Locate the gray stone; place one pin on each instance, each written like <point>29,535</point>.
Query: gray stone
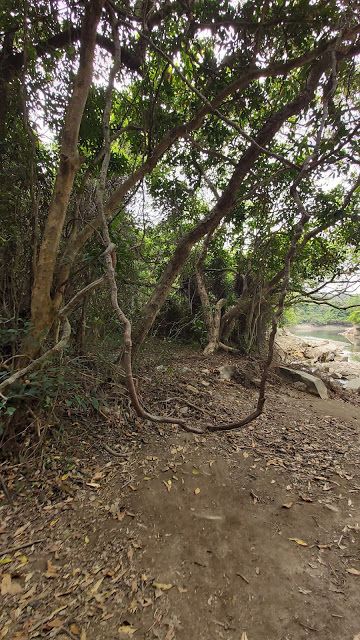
<point>337,375</point>
<point>352,385</point>
<point>301,386</point>
<point>227,372</point>
<point>313,384</point>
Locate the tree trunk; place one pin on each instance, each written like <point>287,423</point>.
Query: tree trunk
<point>181,131</point>
<point>43,307</point>
<point>229,318</point>
<point>214,332</point>
<point>226,201</point>
<point>81,328</point>
<point>212,319</point>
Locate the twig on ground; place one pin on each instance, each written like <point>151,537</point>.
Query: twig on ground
<point>117,454</point>
<point>21,546</point>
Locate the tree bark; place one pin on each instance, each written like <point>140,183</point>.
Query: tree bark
<point>43,307</point>
<point>212,318</point>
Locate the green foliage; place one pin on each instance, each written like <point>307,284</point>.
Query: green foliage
<point>322,314</point>
<point>354,317</point>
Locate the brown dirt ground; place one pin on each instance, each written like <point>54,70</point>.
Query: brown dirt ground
<point>251,535</point>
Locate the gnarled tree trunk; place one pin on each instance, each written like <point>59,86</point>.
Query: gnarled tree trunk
<point>226,201</point>
<point>43,306</point>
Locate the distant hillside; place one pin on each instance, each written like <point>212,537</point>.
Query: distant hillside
<point>322,314</point>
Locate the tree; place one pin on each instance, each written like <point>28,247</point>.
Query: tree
<point>224,120</point>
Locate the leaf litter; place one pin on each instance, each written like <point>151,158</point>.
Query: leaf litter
<point>92,535</point>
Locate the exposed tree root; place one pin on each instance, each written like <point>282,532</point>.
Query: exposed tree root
<point>116,454</point>
<point>110,262</point>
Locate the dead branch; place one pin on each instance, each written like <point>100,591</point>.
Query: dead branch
<point>70,306</point>
<point>328,304</point>
<point>35,364</point>
<point>21,546</point>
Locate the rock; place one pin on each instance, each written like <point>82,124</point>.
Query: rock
<point>227,372</point>
<point>335,385</point>
<point>189,387</point>
<point>337,375</point>
<point>313,384</point>
<point>301,386</point>
<point>309,353</point>
<point>352,385</point>
<point>341,358</point>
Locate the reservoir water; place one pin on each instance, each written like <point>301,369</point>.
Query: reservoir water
<point>328,332</point>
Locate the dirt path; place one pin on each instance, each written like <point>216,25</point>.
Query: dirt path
<point>252,535</point>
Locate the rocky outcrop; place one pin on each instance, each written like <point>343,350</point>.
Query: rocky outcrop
<point>353,335</point>
<point>311,383</point>
<point>324,359</point>
<point>313,350</point>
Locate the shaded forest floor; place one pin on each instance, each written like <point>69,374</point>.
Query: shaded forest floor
<point>242,535</point>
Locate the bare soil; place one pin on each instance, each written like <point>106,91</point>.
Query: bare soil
<point>250,535</point>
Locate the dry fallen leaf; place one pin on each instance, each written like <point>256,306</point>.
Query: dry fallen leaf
<point>197,491</point>
<point>10,586</point>
<point>21,530</point>
<point>287,505</point>
<point>162,586</point>
<point>302,543</point>
<point>56,623</point>
<point>127,629</point>
<point>244,636</point>
<point>133,606</point>
<point>331,507</point>
<point>4,631</point>
<point>51,571</point>
<point>75,629</point>
<point>6,560</point>
<point>353,571</point>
